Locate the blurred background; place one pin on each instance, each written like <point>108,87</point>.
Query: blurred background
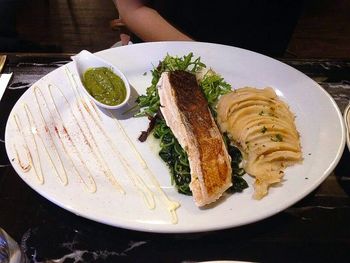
<point>68,26</point>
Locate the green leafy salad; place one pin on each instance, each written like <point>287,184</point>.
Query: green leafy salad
<point>171,152</point>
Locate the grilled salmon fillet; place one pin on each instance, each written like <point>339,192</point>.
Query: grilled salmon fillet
<point>186,112</point>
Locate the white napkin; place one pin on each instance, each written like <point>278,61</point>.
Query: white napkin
<point>4,80</point>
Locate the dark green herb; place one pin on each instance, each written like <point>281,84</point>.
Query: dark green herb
<point>277,138</point>
<point>174,156</point>
<point>238,182</point>
<point>264,129</point>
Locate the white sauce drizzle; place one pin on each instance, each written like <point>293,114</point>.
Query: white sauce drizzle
<point>35,131</point>
<point>170,204</point>
<point>39,175</point>
<point>25,167</point>
<point>90,185</point>
<point>97,154</point>
<point>135,179</point>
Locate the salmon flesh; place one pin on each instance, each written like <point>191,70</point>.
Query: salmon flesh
<point>187,114</point>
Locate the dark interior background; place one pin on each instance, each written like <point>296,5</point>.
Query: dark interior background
<point>323,30</point>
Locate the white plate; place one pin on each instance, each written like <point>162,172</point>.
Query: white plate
<point>347,124</point>
<point>319,122</point>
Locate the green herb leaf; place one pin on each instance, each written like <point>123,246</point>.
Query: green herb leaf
<point>238,183</point>
<point>277,138</point>
<point>213,86</point>
<point>149,103</point>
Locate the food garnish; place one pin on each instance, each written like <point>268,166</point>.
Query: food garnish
<point>104,85</point>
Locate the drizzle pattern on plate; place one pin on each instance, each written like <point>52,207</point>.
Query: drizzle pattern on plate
<point>65,135</point>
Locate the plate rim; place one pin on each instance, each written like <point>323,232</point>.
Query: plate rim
<point>150,228</point>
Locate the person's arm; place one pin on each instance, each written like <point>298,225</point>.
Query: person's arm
<point>146,22</point>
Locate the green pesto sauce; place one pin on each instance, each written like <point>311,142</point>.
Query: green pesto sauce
<point>104,85</point>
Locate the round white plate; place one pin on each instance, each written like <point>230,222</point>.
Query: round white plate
<point>347,124</point>
<point>319,122</point>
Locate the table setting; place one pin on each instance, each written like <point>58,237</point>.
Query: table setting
<point>77,185</point>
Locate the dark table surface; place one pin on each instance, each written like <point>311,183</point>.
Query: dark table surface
<point>316,229</point>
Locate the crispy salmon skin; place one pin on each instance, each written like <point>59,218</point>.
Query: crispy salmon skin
<point>186,112</point>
